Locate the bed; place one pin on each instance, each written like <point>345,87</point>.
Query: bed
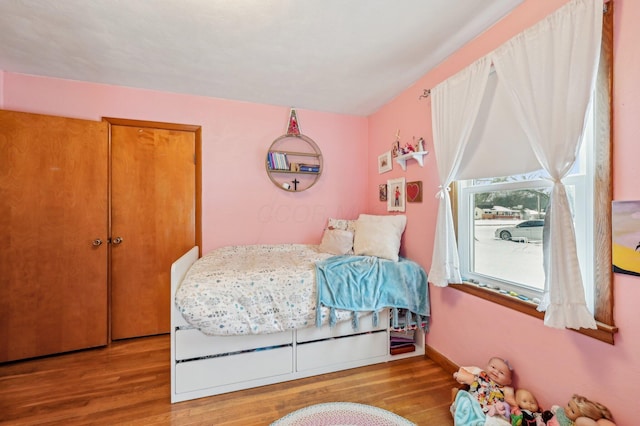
<point>248,316</point>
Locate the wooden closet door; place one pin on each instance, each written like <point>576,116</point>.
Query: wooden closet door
<point>153,212</point>
<point>53,207</point>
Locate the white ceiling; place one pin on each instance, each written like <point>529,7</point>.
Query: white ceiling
<point>342,56</point>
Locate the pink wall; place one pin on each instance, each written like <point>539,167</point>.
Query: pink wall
<point>240,204</point>
<point>553,363</point>
<point>413,118</point>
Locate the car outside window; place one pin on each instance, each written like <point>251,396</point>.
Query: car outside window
<point>529,229</point>
<point>503,251</point>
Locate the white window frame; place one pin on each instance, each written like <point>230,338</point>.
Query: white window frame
<point>580,183</point>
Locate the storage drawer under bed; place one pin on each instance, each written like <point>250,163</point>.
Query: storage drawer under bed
<point>191,343</point>
<point>341,350</point>
<point>344,328</point>
<point>219,371</point>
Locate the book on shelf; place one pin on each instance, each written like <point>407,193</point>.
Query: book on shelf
<point>393,342</point>
<point>278,161</point>
<point>403,334</point>
<point>284,163</point>
<point>402,349</point>
<point>315,168</point>
<point>272,161</point>
<point>400,344</point>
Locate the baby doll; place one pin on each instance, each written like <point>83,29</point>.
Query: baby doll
<point>488,386</point>
<point>526,412</point>
<point>579,411</point>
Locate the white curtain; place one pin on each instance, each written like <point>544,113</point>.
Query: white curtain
<point>455,105</point>
<point>549,72</point>
<point>498,145</point>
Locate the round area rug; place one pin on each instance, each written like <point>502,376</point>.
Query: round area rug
<point>342,414</point>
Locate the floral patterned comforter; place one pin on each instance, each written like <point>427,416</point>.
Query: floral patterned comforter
<point>253,289</point>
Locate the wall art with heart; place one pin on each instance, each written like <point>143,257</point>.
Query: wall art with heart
<point>414,192</point>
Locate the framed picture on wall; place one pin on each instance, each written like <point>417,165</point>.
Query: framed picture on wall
<point>382,192</point>
<point>384,163</point>
<point>414,192</point>
<point>625,233</point>
<point>396,195</point>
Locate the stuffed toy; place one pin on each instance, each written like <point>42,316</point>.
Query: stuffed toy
<point>580,411</point>
<point>526,412</point>
<point>500,409</point>
<point>488,386</point>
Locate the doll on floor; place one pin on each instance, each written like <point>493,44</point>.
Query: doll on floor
<point>526,412</point>
<point>489,386</point>
<point>579,411</point>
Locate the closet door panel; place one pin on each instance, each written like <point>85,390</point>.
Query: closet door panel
<point>153,212</point>
<point>53,204</point>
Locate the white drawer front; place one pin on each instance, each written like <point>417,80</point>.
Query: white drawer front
<point>193,344</point>
<point>212,372</point>
<point>343,328</point>
<point>336,351</point>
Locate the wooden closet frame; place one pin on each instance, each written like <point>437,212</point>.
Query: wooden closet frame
<point>198,184</point>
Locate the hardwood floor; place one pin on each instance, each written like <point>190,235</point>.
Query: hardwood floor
<point>129,383</point>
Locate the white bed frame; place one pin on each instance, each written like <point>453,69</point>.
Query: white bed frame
<point>204,365</point>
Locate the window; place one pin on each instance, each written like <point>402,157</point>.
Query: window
<point>512,260</point>
<point>500,227</point>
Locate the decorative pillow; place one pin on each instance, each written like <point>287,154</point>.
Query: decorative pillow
<point>336,241</point>
<point>379,236</point>
<point>344,224</point>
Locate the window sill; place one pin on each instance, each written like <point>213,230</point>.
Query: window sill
<point>604,332</point>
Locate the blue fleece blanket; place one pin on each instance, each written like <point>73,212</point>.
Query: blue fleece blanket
<point>466,410</point>
<point>368,284</point>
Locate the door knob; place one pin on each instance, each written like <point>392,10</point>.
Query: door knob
<point>97,242</point>
<point>117,240</point>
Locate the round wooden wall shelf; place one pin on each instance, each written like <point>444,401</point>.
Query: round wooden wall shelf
<point>294,162</point>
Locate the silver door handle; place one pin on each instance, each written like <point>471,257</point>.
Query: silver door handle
<point>97,242</point>
<point>117,240</point>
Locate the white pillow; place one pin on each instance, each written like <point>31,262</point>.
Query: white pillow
<point>336,241</point>
<point>344,224</point>
<point>379,236</point>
